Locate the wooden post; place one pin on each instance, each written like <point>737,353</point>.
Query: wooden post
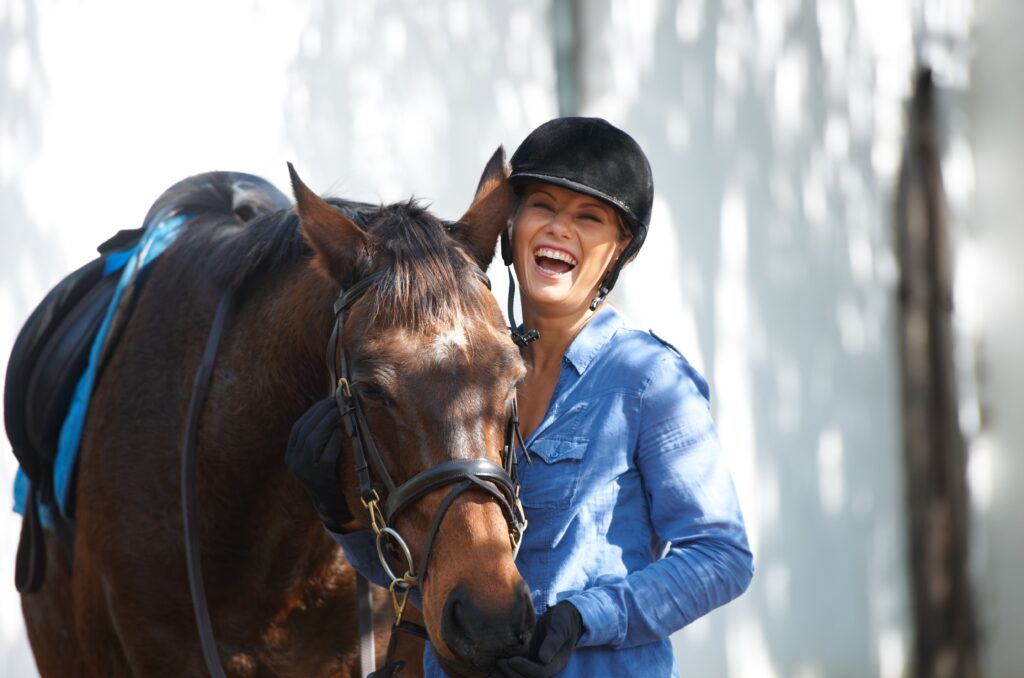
<point>945,642</point>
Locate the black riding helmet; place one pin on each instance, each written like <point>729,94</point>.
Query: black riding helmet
<point>593,157</point>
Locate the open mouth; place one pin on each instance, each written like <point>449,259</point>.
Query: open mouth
<point>554,262</point>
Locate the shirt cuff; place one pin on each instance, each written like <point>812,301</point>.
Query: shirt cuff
<point>602,617</point>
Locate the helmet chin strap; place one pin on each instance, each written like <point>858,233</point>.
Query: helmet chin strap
<point>521,339</point>
<point>609,280</point>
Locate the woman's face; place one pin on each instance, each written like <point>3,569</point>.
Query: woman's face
<point>563,243</point>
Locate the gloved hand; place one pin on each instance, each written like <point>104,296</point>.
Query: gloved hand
<point>554,639</point>
<point>313,450</point>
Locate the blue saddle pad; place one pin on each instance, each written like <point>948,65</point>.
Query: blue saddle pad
<point>127,265</point>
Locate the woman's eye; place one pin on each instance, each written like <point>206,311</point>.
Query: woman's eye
<point>542,206</point>
<point>591,217</point>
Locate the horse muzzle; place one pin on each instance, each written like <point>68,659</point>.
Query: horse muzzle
<point>478,636</point>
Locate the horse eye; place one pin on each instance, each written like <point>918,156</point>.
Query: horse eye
<point>511,393</point>
<point>372,392</point>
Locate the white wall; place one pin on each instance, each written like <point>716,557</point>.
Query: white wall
<point>775,134</point>
<point>993,321</point>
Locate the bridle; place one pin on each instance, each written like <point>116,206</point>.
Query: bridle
<point>385,500</point>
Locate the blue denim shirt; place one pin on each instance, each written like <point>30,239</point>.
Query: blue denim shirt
<point>632,513</point>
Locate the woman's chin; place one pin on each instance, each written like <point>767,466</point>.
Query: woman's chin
<point>558,294</point>
<point>550,294</point>
<point>561,305</point>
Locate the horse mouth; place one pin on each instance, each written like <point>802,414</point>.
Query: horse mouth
<point>462,668</point>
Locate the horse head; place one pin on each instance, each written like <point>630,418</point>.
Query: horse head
<point>426,386</point>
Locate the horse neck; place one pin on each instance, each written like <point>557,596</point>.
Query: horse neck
<point>269,369</point>
<point>284,328</point>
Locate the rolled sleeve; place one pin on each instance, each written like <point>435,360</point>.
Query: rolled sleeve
<point>603,616</point>
<point>694,512</point>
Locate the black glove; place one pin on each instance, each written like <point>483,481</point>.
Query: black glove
<point>313,450</point>
<point>554,639</point>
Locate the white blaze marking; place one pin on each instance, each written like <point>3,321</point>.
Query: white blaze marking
<point>447,342</point>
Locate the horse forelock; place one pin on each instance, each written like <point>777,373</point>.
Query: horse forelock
<point>428,279</point>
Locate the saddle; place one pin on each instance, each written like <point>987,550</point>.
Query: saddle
<point>49,356</point>
<point>66,342</point>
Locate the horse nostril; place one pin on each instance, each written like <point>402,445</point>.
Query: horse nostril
<point>524,615</point>
<point>457,624</point>
<point>482,635</point>
<point>454,630</point>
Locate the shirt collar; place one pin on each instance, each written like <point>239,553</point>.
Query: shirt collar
<point>594,336</point>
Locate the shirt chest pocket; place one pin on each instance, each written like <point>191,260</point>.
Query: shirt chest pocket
<point>554,477</point>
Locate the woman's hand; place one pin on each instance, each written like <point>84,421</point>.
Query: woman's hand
<point>313,450</point>
<point>554,639</point>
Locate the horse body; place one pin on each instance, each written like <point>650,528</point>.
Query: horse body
<point>281,596</point>
<point>266,563</point>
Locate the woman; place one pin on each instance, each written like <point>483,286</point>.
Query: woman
<point>635,530</point>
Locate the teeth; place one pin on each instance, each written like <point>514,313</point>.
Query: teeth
<point>556,254</point>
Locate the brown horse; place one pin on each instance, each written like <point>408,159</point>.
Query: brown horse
<point>430,349</point>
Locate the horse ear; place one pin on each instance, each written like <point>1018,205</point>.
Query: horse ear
<point>339,244</point>
<point>492,207</point>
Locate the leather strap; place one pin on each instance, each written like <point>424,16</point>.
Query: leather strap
<point>188,490</point>
<point>391,666</point>
<point>30,563</point>
<point>446,473</point>
<point>521,339</point>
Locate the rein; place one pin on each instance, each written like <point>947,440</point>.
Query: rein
<point>188,489</point>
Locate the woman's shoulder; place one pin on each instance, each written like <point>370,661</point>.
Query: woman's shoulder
<point>653,360</point>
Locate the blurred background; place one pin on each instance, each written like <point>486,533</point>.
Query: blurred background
<point>836,245</point>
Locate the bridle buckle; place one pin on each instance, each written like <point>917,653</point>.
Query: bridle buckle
<point>372,504</point>
<point>346,389</point>
<point>399,598</point>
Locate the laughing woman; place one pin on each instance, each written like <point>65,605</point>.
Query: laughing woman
<point>634,526</point>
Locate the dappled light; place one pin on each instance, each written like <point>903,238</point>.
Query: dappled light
<point>776,132</point>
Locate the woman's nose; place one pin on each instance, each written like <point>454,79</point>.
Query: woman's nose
<point>560,224</point>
